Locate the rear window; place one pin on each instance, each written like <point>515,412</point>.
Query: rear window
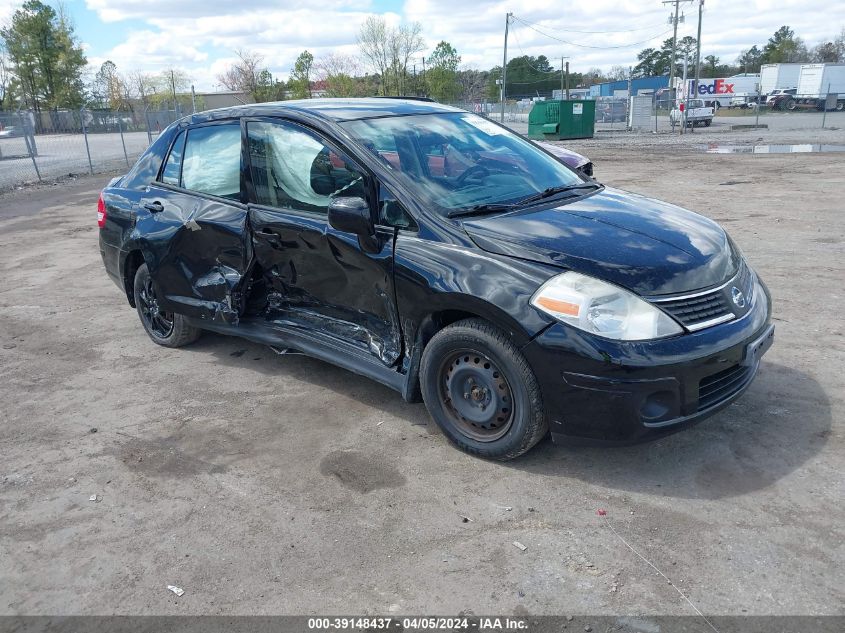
<point>172,171</point>
<point>212,160</point>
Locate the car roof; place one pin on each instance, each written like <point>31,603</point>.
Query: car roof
<point>332,109</point>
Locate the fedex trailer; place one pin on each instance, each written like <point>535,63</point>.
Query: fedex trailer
<point>718,92</point>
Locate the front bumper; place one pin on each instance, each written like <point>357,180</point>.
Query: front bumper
<point>622,392</point>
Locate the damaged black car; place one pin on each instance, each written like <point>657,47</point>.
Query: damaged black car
<point>445,256</point>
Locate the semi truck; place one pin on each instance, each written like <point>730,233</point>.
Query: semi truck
<point>815,83</point>
<point>778,76</point>
<point>718,92</point>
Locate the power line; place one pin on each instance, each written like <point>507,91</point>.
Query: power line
<point>539,70</point>
<point>604,47</point>
<point>643,28</point>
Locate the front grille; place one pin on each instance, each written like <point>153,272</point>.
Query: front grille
<point>697,310</point>
<point>702,309</point>
<point>714,389</point>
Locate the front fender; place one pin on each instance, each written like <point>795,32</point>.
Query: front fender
<point>437,278</point>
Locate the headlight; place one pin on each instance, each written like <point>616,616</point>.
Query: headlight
<point>601,308</point>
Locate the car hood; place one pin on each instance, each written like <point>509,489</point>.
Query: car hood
<point>647,246</point>
<point>573,159</point>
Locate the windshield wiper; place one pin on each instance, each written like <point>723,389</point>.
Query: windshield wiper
<point>498,207</point>
<point>551,191</point>
<point>482,209</point>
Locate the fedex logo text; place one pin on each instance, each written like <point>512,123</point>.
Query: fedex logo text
<point>718,87</point>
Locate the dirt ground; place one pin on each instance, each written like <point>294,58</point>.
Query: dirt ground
<point>265,484</point>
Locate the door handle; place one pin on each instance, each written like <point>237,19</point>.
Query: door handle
<point>154,207</point>
<point>271,238</point>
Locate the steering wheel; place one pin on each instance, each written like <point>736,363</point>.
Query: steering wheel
<point>481,170</point>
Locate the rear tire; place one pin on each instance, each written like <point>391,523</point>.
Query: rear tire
<point>167,329</point>
<point>481,392</point>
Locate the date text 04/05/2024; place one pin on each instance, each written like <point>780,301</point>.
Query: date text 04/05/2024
<point>419,623</point>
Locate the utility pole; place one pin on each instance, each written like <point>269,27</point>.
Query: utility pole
<point>698,51</point>
<point>173,90</point>
<point>564,79</point>
<point>561,78</point>
<point>674,18</point>
<point>505,68</point>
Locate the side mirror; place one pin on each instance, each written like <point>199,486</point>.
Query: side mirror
<point>351,215</point>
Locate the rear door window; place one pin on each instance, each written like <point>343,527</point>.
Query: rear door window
<point>212,161</point>
<point>172,171</point>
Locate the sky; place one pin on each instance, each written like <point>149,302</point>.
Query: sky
<point>201,36</point>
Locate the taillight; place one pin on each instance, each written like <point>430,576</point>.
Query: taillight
<point>101,211</point>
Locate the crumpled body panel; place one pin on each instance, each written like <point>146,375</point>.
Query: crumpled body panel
<point>198,251</point>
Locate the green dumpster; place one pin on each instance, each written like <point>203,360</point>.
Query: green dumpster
<point>556,120</point>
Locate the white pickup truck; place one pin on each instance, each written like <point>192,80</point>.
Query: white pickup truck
<point>696,113</point>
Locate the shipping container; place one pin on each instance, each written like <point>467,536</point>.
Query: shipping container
<point>773,76</point>
<point>817,80</point>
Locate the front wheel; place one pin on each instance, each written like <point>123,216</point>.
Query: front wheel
<point>167,329</point>
<point>481,392</point>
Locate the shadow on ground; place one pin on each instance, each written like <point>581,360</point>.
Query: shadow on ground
<point>781,422</point>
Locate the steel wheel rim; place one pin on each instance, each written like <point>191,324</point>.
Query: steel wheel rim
<point>157,321</point>
<point>476,396</point>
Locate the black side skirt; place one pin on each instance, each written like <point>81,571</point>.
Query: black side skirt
<point>330,350</point>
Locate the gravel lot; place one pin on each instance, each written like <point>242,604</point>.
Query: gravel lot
<point>264,484</point>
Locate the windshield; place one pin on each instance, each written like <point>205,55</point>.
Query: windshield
<point>460,160</point>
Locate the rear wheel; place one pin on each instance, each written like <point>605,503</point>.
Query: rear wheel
<point>481,392</point>
<point>164,328</point>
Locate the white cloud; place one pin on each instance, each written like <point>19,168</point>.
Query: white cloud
<point>181,33</point>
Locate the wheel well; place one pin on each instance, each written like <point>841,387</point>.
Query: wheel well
<point>131,265</point>
<point>430,326</point>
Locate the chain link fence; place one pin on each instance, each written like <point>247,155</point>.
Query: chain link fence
<point>652,114</point>
<point>48,145</point>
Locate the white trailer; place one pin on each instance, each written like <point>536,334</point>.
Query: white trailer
<point>817,81</point>
<point>773,76</point>
<point>717,93</point>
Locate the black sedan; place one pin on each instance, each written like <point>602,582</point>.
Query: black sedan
<point>441,254</point>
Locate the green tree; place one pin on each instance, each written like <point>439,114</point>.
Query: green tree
<point>5,80</point>
<point>300,80</point>
<point>45,57</point>
<point>171,89</point>
<point>442,74</point>
<point>109,90</point>
<point>340,76</point>
<point>826,52</point>
<point>709,65</point>
<point>784,47</point>
<point>750,60</point>
<point>653,61</point>
<point>267,88</point>
<point>388,50</point>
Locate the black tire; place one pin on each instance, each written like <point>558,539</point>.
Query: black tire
<point>707,122</point>
<point>164,328</point>
<point>469,367</point>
